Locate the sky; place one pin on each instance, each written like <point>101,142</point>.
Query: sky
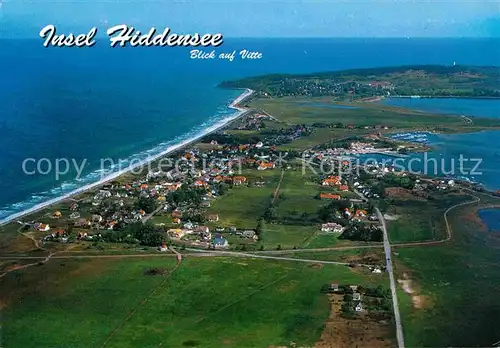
<point>259,18</point>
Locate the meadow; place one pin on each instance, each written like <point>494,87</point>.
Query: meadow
<point>206,302</point>
<point>325,110</point>
<point>456,281</point>
<point>420,220</point>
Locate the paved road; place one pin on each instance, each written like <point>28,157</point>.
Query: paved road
<point>387,249</point>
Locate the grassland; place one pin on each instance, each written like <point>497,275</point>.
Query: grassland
<point>206,302</point>
<point>297,197</point>
<point>412,225</point>
<point>312,111</point>
<point>217,302</point>
<point>455,282</point>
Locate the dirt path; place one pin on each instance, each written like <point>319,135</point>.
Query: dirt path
<point>145,299</point>
<point>277,191</point>
<point>37,246</point>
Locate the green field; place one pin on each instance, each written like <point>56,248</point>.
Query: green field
<point>206,302</point>
<point>419,220</point>
<point>242,206</point>
<point>312,110</point>
<point>458,280</point>
<point>302,110</point>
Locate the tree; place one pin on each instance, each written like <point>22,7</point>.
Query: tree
<point>147,204</point>
<point>147,234</point>
<point>261,225</point>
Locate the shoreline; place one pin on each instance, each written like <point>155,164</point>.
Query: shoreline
<point>240,112</point>
<point>439,97</point>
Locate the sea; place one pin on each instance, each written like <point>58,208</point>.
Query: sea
<point>102,108</point>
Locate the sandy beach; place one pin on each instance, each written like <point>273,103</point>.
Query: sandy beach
<point>240,111</point>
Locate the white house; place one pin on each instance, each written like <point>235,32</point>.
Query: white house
<point>42,227</point>
<point>189,225</point>
<point>332,227</point>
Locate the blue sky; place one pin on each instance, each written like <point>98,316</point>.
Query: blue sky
<point>258,18</point>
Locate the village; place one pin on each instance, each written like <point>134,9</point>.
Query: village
<point>178,204</point>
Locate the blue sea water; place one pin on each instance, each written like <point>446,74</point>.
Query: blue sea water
<point>86,104</point>
<point>454,106</point>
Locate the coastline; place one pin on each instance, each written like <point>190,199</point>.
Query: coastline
<point>240,112</point>
<point>440,97</point>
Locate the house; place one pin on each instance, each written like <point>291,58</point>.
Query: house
<point>376,270</point>
<point>82,223</point>
<point>344,188</point>
<point>200,183</point>
<point>189,225</point>
<point>111,224</point>
<point>102,194</point>
<point>75,215</point>
<point>96,218</point>
<point>41,227</point>
<point>176,220</point>
<point>59,233</point>
<point>204,232</point>
<point>359,307</point>
<point>57,214</point>
<point>213,217</point>
<point>356,296</point>
<point>347,213</point>
<point>82,235</point>
<point>353,287</point>
<point>265,165</point>
<point>176,233</point>
<point>360,213</point>
<point>176,214</point>
<point>173,187</point>
<point>219,241</point>
<point>333,287</point>
<point>239,180</point>
<point>202,229</point>
<point>259,145</point>
<point>248,234</point>
<point>329,196</point>
<point>73,206</point>
<point>332,181</point>
<point>163,247</point>
<point>332,227</point>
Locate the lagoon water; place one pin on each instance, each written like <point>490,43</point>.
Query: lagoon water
<point>88,104</point>
<point>480,152</point>
<point>455,106</point>
<point>491,217</point>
